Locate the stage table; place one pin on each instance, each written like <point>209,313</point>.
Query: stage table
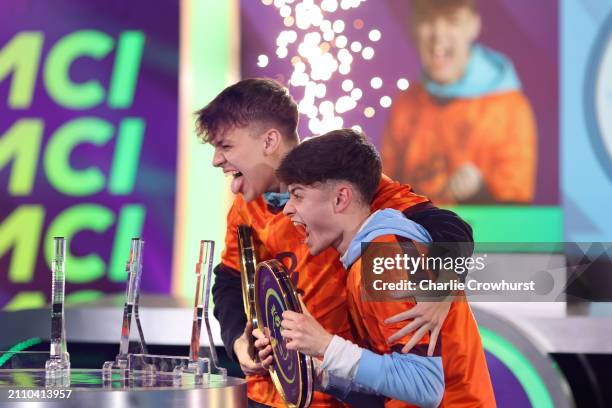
<point>22,387</point>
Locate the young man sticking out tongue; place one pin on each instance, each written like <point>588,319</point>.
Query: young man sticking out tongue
<point>252,125</point>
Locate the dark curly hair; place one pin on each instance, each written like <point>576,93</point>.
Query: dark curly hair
<point>251,100</point>
<point>343,154</point>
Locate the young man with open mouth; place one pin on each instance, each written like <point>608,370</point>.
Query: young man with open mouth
<point>252,125</point>
<point>332,180</point>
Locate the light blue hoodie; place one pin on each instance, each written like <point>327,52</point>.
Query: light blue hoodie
<point>487,72</point>
<point>384,222</point>
<point>277,200</point>
<point>406,377</point>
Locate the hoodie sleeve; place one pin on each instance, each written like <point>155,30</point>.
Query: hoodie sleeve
<point>228,306</point>
<point>227,287</point>
<point>406,377</point>
<point>452,236</point>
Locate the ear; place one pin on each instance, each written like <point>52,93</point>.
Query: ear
<point>343,196</point>
<point>271,141</point>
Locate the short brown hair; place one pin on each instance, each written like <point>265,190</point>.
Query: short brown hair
<point>341,155</point>
<point>250,100</point>
<point>420,9</point>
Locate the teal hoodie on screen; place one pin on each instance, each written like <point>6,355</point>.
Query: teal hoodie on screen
<point>487,72</point>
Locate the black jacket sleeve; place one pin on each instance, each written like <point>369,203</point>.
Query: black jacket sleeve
<point>452,236</point>
<point>229,306</point>
<point>445,227</point>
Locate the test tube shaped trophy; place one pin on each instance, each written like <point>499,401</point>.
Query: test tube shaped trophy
<point>201,365</point>
<point>57,368</point>
<point>214,360</point>
<point>134,269</point>
<point>197,365</point>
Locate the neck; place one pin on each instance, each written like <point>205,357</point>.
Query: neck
<point>276,185</point>
<point>353,223</point>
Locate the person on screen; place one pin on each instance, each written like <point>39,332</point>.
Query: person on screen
<point>466,132</point>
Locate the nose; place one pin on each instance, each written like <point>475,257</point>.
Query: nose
<point>289,209</point>
<point>218,158</point>
<point>439,28</point>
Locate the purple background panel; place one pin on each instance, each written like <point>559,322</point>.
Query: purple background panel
<point>155,102</point>
<point>508,390</point>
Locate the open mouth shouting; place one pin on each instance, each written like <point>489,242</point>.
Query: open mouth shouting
<point>303,230</point>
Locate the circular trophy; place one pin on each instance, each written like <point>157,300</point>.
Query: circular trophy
<point>292,372</point>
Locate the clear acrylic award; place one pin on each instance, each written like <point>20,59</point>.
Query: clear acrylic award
<point>220,373</point>
<point>202,366</point>
<point>130,309</point>
<point>57,368</point>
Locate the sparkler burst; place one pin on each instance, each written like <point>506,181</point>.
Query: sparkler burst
<point>316,41</point>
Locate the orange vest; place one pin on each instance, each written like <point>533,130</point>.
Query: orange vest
<point>321,278</point>
<point>426,141</point>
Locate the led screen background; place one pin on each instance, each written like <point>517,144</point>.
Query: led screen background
<point>88,143</point>
<point>172,231</point>
<point>526,32</point>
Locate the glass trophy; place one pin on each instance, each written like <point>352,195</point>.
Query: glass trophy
<point>142,366</point>
<point>214,360</point>
<point>57,368</point>
<point>134,269</point>
<point>147,368</point>
<point>202,366</point>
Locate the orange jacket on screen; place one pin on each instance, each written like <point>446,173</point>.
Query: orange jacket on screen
<point>426,140</point>
<point>321,278</point>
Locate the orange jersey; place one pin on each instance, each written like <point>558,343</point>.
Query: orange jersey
<point>466,376</point>
<point>321,278</point>
<point>427,141</point>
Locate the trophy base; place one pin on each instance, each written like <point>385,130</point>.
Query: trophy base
<point>218,374</point>
<point>183,370</point>
<point>119,366</point>
<point>57,371</point>
<point>196,372</point>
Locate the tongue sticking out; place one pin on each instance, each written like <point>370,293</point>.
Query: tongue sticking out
<point>237,183</point>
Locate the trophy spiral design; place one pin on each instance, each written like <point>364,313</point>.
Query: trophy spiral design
<point>292,372</point>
